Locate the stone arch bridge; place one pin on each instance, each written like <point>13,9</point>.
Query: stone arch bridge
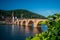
<point>27,21</point>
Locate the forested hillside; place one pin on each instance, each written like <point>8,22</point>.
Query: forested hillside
<point>19,13</point>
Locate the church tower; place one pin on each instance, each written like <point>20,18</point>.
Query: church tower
<point>12,17</point>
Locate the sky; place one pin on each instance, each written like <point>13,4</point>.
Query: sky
<point>42,7</point>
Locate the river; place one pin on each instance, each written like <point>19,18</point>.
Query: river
<point>16,32</point>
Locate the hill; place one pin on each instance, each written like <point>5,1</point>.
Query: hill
<point>20,13</point>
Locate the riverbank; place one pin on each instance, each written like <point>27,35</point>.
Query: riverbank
<point>4,23</point>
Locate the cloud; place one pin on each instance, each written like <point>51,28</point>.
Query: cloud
<point>48,12</point>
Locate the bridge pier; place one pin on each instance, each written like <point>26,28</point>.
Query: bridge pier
<point>26,24</point>
<point>35,24</point>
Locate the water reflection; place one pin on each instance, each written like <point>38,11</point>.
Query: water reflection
<point>15,32</point>
<point>12,30</point>
<point>44,27</point>
<point>28,30</point>
<point>36,30</point>
<point>22,28</point>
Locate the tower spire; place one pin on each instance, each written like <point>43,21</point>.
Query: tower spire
<point>12,17</point>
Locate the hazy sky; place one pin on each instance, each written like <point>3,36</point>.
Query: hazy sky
<point>43,7</point>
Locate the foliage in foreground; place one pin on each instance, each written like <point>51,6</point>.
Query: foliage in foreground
<point>53,32</point>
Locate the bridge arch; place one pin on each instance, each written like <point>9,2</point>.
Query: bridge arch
<point>24,23</point>
<point>31,23</point>
<point>39,23</point>
<point>19,22</point>
<point>16,22</point>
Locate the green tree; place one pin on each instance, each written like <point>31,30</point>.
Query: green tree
<point>53,32</point>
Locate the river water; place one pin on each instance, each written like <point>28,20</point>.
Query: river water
<point>16,32</point>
